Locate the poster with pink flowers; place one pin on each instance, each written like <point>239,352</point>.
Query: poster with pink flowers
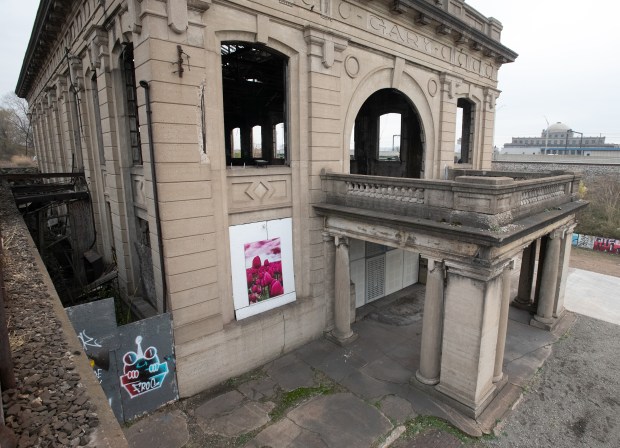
<point>262,266</point>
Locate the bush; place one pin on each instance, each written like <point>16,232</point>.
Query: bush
<point>602,217</point>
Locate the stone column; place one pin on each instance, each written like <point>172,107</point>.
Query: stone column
<point>470,332</point>
<point>432,325</point>
<point>526,276</point>
<point>342,333</point>
<point>542,250</point>
<point>330,268</point>
<point>548,281</point>
<point>566,245</point>
<point>498,373</point>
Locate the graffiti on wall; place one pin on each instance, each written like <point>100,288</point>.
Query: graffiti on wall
<point>597,243</point>
<point>142,371</point>
<point>134,363</point>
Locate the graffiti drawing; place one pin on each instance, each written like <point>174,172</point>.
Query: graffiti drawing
<point>87,341</point>
<point>585,241</point>
<point>142,370</point>
<point>607,245</point>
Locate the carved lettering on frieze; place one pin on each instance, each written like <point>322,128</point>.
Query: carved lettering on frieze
<point>410,38</point>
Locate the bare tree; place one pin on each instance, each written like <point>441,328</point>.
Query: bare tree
<point>16,123</point>
<point>606,195</point>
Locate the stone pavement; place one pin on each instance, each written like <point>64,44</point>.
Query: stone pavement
<point>592,294</point>
<point>324,395</point>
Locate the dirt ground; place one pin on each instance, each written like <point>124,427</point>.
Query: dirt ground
<point>601,262</point>
<point>573,401</point>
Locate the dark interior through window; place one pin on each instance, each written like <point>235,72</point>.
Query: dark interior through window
<point>465,112</point>
<point>387,138</point>
<point>254,90</point>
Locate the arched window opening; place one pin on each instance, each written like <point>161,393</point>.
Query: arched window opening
<point>386,139</point>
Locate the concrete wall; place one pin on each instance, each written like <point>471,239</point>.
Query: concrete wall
<point>591,171</point>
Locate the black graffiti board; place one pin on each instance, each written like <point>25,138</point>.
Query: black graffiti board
<point>146,367</point>
<point>134,363</point>
<point>95,325</point>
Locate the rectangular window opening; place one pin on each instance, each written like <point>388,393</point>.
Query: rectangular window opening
<point>131,103</point>
<point>466,119</point>
<point>254,79</point>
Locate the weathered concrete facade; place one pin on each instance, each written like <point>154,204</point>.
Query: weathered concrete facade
<point>198,84</point>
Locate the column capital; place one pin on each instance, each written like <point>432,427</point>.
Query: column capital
<point>556,233</point>
<point>327,237</point>
<point>435,264</point>
<point>340,240</point>
<point>473,270</point>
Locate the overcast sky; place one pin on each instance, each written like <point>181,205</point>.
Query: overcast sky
<point>567,70</point>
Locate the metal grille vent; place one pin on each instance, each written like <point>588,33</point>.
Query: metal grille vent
<point>373,249</point>
<point>375,278</point>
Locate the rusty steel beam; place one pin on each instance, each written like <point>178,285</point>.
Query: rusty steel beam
<point>49,197</point>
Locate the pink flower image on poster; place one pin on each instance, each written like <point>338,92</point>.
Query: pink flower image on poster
<point>263,268</point>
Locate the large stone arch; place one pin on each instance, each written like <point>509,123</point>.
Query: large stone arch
<point>382,78</point>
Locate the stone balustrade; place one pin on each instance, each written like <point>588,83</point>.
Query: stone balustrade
<point>477,198</point>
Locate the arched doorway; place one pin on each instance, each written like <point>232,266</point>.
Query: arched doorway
<point>387,137</point>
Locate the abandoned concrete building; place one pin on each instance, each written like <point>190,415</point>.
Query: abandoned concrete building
<point>232,156</point>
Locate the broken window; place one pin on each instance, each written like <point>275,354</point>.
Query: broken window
<point>257,143</point>
<point>131,103</point>
<point>280,142</point>
<point>389,137</point>
<point>235,136</point>
<point>254,81</point>
<point>466,116</point>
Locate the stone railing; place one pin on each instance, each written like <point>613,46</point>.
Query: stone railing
<point>384,190</point>
<point>477,198</point>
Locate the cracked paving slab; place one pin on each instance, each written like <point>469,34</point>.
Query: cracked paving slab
<point>287,434</point>
<point>169,430</point>
<point>247,417</point>
<point>341,420</point>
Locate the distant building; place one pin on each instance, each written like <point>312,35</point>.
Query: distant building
<point>560,139</point>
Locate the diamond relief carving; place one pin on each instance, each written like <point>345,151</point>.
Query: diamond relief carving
<point>260,190</point>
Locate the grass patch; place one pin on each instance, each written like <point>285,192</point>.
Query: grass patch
<point>234,382</point>
<point>425,423</point>
<point>292,398</point>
